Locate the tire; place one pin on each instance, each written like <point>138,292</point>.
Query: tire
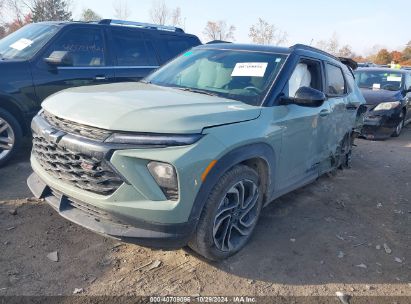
<point>10,136</point>
<point>344,153</point>
<point>223,213</point>
<point>400,126</point>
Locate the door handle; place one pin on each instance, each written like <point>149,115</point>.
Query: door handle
<point>324,112</point>
<point>100,77</point>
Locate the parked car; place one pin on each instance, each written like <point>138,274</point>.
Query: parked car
<point>388,100</point>
<point>41,59</point>
<point>366,64</point>
<point>192,153</point>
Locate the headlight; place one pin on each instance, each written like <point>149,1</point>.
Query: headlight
<point>154,139</point>
<point>387,106</point>
<point>165,176</point>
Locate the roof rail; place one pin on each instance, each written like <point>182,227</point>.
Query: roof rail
<point>313,49</point>
<point>347,61</point>
<point>141,25</point>
<point>218,41</point>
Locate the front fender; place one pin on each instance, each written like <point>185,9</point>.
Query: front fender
<point>229,160</point>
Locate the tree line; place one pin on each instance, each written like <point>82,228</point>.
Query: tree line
<point>16,13</point>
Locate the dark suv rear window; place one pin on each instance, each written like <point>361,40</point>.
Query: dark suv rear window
<point>132,50</point>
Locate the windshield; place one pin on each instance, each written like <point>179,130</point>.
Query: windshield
<point>391,81</point>
<point>25,42</point>
<point>241,75</point>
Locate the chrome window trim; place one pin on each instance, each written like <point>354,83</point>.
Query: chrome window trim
<point>109,67</point>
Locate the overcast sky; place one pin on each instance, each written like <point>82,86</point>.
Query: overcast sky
<point>360,23</point>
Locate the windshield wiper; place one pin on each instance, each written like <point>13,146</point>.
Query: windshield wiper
<point>199,91</point>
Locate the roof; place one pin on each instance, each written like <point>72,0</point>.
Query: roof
<point>122,23</point>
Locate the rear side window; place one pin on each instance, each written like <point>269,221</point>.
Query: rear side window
<point>85,45</point>
<point>177,46</point>
<point>335,80</point>
<point>132,50</point>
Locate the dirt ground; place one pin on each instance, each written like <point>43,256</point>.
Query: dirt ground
<point>326,237</point>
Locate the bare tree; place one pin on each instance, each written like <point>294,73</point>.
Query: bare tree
<point>176,19</point>
<point>346,51</point>
<point>159,13</point>
<point>89,15</point>
<point>264,33</point>
<point>331,45</point>
<point>219,30</point>
<point>121,9</point>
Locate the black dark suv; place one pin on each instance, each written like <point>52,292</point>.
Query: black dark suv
<point>43,58</point>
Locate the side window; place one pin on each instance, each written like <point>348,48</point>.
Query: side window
<point>86,46</point>
<point>335,80</point>
<point>176,47</point>
<point>408,81</point>
<point>131,50</point>
<point>307,73</point>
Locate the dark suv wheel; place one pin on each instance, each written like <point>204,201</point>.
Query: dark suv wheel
<point>10,136</point>
<point>230,214</point>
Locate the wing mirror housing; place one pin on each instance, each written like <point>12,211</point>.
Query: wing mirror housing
<point>59,58</point>
<point>306,97</point>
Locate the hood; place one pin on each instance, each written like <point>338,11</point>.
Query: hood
<point>373,97</point>
<point>139,107</point>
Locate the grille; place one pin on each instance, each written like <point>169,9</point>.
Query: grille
<point>85,172</point>
<point>76,128</point>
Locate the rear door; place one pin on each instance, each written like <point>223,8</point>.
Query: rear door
<point>91,64</point>
<point>408,96</point>
<point>134,54</point>
<point>341,107</point>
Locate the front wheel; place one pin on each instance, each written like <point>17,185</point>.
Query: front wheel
<point>230,214</point>
<point>10,136</point>
<point>400,125</point>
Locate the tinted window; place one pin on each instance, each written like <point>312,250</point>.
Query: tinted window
<point>177,46</point>
<point>335,80</point>
<point>86,46</point>
<point>131,50</point>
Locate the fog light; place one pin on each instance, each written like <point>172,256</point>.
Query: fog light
<point>165,176</point>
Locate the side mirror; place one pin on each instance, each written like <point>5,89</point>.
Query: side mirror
<point>59,58</point>
<point>306,97</point>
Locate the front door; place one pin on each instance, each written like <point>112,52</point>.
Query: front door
<point>303,128</point>
<point>90,64</point>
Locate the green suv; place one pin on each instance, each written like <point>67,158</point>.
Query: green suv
<point>191,154</point>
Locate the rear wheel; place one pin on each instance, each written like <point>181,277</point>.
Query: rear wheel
<point>10,136</point>
<point>400,125</point>
<point>345,151</point>
<point>230,214</point>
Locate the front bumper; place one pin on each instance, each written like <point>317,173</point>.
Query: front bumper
<point>381,125</point>
<point>166,236</point>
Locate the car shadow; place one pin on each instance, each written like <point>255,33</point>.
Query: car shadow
<point>333,230</point>
<point>14,174</point>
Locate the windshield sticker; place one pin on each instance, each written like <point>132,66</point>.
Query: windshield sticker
<point>376,86</point>
<point>188,53</point>
<point>394,78</point>
<point>277,60</point>
<point>252,69</point>
<point>21,44</point>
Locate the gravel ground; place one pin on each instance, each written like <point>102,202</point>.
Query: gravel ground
<point>326,237</point>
